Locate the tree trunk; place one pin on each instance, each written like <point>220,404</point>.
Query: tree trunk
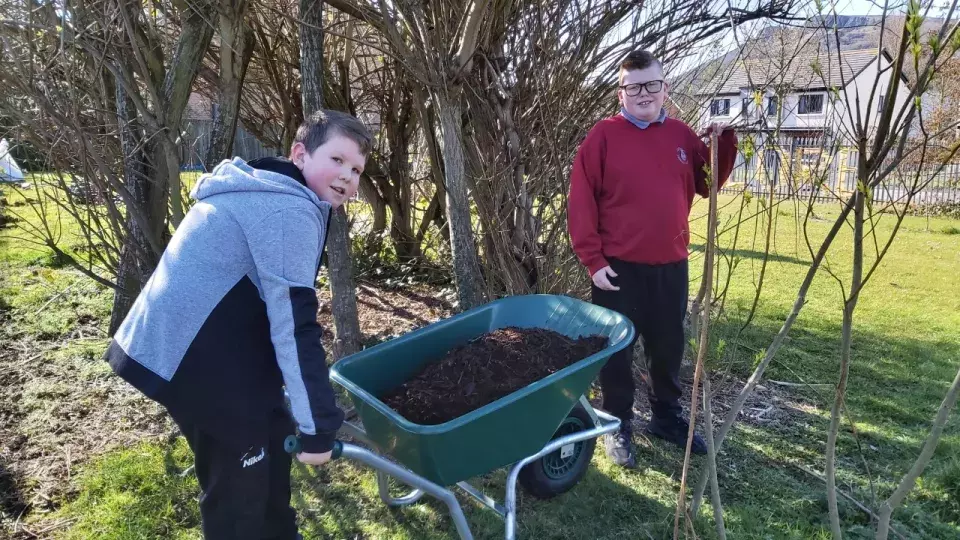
<point>370,194</point>
<point>340,268</point>
<point>703,340</point>
<point>433,210</point>
<point>236,50</point>
<point>339,264</point>
<point>311,56</point>
<point>177,85</point>
<point>523,223</point>
<point>712,461</point>
<point>845,352</point>
<point>152,172</point>
<point>136,255</point>
<point>466,267</point>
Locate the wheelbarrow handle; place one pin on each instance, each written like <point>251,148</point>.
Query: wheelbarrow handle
<point>293,445</point>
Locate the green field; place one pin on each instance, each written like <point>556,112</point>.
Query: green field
<point>906,350</point>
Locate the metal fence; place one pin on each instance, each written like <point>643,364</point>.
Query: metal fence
<point>808,167</point>
<point>195,144</point>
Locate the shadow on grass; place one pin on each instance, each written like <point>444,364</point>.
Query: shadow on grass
<point>750,254</point>
<point>12,503</point>
<point>342,502</point>
<point>895,387</point>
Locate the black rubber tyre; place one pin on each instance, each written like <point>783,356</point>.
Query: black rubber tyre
<point>552,475</point>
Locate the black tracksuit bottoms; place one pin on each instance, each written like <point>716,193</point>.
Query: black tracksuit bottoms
<point>654,298</point>
<point>245,493</point>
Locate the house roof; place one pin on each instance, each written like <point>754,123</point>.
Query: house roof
<point>801,56</point>
<point>764,66</point>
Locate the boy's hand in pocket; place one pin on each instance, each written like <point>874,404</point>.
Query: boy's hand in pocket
<point>602,279</point>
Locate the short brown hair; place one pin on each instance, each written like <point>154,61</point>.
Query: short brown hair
<point>638,60</point>
<point>317,129</point>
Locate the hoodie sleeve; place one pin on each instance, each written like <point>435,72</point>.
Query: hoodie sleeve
<point>286,251</point>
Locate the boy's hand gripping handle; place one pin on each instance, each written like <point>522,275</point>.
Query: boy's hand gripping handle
<point>292,445</point>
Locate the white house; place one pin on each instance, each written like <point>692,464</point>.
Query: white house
<point>805,95</point>
<point>791,102</point>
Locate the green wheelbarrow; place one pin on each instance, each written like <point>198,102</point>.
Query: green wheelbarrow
<point>545,432</point>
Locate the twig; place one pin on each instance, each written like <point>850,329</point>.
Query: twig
<point>793,384</point>
<point>762,412</point>
<point>52,527</point>
<point>54,297</point>
<point>712,461</point>
<point>847,496</point>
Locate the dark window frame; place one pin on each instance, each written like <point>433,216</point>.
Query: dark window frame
<point>805,102</point>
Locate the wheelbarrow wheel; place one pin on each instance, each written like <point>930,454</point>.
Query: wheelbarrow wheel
<point>558,471</point>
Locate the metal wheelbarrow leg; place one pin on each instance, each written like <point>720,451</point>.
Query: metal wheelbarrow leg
<point>385,468</point>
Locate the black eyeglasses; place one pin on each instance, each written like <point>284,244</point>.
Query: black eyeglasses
<point>634,89</point>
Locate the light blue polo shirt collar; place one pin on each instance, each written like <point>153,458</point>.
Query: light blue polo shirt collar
<point>640,123</point>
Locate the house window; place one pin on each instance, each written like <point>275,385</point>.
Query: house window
<point>809,157</point>
<point>772,159</point>
<point>810,104</point>
<point>746,107</point>
<point>773,105</point>
<point>772,165</point>
<point>720,107</point>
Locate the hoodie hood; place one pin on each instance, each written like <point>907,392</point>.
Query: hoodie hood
<point>236,175</point>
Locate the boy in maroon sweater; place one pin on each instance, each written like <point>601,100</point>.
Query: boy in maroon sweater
<point>631,189</point>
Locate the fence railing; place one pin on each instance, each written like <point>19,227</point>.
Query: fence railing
<point>806,169</point>
<point>195,144</point>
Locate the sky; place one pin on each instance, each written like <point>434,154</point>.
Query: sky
<point>859,7</point>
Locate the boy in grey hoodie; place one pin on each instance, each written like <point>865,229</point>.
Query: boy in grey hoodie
<point>229,318</point>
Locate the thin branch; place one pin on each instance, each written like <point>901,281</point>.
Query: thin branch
<point>469,42</point>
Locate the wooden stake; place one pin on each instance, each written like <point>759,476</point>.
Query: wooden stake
<point>704,327</point>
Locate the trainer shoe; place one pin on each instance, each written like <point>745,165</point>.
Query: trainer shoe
<point>675,430</point>
<point>619,446</point>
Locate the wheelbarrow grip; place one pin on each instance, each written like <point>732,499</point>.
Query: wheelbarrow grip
<point>293,445</point>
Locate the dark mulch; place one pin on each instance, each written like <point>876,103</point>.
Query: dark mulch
<point>482,371</point>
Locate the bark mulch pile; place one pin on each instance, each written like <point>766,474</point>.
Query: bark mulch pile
<point>486,369</point>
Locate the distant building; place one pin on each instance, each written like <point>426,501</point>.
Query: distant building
<point>787,93</point>
<point>198,128</point>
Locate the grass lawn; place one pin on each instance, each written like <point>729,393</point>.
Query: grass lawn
<point>906,351</point>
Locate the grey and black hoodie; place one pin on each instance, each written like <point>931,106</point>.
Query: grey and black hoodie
<point>230,314</point>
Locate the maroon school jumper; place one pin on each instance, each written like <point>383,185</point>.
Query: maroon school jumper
<point>630,196</point>
<point>631,190</point>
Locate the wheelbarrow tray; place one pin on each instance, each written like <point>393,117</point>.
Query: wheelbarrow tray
<point>499,433</point>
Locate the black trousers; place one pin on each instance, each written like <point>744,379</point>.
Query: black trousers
<point>654,298</point>
<point>245,492</point>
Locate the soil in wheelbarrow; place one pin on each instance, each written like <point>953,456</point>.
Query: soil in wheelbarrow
<point>486,369</point>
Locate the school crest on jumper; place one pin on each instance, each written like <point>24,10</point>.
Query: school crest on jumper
<point>681,155</point>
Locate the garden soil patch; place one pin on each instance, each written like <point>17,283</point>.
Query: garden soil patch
<point>486,369</point>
